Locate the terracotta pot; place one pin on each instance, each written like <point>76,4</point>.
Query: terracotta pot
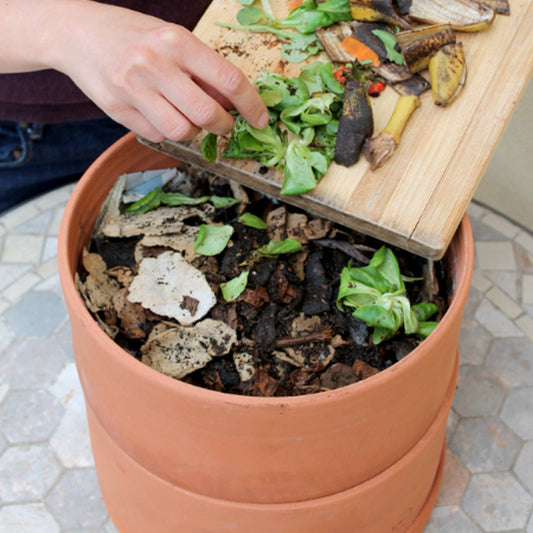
<point>224,447</point>
<point>399,499</point>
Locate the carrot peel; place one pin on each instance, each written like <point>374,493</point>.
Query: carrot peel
<point>359,50</point>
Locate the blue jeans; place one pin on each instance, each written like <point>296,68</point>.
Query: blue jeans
<point>36,158</point>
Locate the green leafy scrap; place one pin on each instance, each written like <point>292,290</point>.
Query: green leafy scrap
<point>150,201</point>
<point>311,15</point>
<point>233,288</point>
<point>208,147</point>
<point>250,15</point>
<point>211,240</point>
<point>266,145</point>
<point>297,29</point>
<point>274,248</point>
<point>308,106</point>
<point>303,167</point>
<point>390,42</point>
<point>377,295</point>
<point>158,197</point>
<point>283,92</point>
<point>253,221</point>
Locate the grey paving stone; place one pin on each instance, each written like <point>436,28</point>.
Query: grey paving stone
<point>27,472</point>
<point>483,232</point>
<point>9,273</point>
<point>495,321</point>
<point>50,249</point>
<point>63,337</point>
<point>3,443</point>
<point>472,302</point>
<point>495,255</point>
<point>524,252</point>
<point>517,412</point>
<point>454,480</point>
<point>4,387</point>
<point>53,229</point>
<point>451,424</point>
<point>84,530</point>
<point>450,519</point>
<point>478,392</point>
<point>524,466</point>
<point>501,224</point>
<point>476,210</point>
<point>76,501</point>
<point>530,525</point>
<point>37,314</point>
<point>512,361</point>
<point>485,444</point>
<point>52,283</point>
<point>506,281</point>
<point>6,335</point>
<point>35,225</point>
<point>71,441</point>
<point>29,416</point>
<point>110,527</point>
<point>32,363</point>
<point>497,502</point>
<point>28,518</point>
<point>22,249</point>
<point>474,343</point>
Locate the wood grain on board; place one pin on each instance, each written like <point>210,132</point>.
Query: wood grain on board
<point>418,198</point>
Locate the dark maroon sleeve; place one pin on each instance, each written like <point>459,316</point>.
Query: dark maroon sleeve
<point>48,96</point>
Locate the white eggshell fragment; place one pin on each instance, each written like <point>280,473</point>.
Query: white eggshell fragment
<point>171,287</point>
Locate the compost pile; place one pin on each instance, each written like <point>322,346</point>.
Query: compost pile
<point>279,331</point>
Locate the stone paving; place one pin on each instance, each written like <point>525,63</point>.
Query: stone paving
<point>47,477</point>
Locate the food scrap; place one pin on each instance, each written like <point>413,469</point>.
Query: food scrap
<point>277,309</point>
<point>378,43</point>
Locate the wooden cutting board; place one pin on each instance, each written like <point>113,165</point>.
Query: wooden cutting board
<point>418,198</point>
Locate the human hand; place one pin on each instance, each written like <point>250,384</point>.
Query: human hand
<point>154,77</point>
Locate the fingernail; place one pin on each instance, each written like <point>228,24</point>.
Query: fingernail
<point>263,121</point>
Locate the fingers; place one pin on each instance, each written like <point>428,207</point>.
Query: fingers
<point>226,79</point>
<point>169,119</point>
<point>148,124</point>
<point>196,105</point>
<point>170,86</point>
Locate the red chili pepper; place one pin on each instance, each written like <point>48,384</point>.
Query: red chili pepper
<point>341,75</point>
<point>375,88</point>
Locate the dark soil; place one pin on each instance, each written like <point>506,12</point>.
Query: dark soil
<point>336,351</point>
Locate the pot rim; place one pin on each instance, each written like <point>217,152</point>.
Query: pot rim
<point>76,305</point>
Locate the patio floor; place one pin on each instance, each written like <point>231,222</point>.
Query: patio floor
<point>47,478</point>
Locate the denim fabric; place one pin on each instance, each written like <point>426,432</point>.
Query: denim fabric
<point>11,140</point>
<point>35,158</point>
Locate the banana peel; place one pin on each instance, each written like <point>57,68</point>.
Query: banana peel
<point>501,7</point>
<point>463,15</point>
<point>379,149</point>
<point>447,73</point>
<point>377,11</point>
<point>416,85</point>
<point>418,45</point>
<point>355,125</point>
<point>331,39</point>
<point>403,6</point>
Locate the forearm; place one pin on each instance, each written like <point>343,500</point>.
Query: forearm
<point>28,33</point>
<point>150,75</point>
<point>39,34</point>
